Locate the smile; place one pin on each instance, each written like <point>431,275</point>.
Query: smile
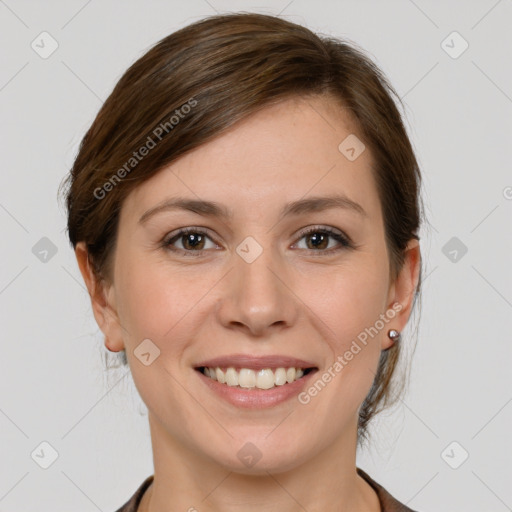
<point>247,378</point>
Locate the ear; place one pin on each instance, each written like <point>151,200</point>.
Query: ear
<point>401,291</point>
<point>102,300</point>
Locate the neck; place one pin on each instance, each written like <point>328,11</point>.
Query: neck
<point>187,481</point>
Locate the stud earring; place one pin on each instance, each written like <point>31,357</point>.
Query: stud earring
<point>394,335</point>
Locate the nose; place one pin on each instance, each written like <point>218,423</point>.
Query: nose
<point>257,297</point>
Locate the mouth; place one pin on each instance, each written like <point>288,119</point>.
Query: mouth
<point>251,378</point>
<point>255,382</point>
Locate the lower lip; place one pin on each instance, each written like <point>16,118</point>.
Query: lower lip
<point>256,398</point>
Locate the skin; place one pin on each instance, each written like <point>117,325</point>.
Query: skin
<point>294,299</point>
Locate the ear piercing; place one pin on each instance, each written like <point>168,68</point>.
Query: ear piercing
<point>394,335</point>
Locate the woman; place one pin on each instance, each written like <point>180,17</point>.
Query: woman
<point>244,211</point>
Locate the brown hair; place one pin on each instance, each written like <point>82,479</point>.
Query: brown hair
<point>196,83</point>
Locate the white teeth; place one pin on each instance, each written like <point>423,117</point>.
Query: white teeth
<point>265,379</point>
<point>290,375</point>
<point>280,377</point>
<point>231,377</point>
<point>220,375</point>
<point>246,378</point>
<point>249,379</point>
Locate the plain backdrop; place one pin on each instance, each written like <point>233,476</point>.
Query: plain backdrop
<point>447,446</point>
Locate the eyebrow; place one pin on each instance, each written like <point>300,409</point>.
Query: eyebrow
<point>213,209</point>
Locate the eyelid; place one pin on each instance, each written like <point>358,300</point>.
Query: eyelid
<point>177,233</point>
<point>344,241</point>
<point>189,229</point>
<point>319,227</point>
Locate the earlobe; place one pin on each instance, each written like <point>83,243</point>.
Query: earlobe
<point>105,316</point>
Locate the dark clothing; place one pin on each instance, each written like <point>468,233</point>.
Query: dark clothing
<point>387,502</point>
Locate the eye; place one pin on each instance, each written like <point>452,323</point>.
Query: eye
<point>319,239</point>
<point>192,240</point>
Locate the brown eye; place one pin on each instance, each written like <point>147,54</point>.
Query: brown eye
<point>191,240</point>
<point>318,239</point>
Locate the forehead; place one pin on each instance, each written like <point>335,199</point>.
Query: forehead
<point>284,152</point>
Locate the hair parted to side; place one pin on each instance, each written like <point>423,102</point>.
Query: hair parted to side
<point>226,67</point>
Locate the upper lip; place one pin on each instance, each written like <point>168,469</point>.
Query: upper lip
<point>256,362</point>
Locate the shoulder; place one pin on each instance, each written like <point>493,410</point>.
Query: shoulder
<point>387,502</point>
<point>133,503</point>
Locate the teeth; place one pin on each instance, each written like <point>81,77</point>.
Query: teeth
<point>265,379</point>
<point>280,377</point>
<point>246,378</point>
<point>250,379</point>
<point>220,375</point>
<point>231,377</point>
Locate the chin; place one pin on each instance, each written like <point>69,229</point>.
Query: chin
<point>260,457</point>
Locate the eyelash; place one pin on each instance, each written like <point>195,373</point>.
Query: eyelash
<point>344,240</point>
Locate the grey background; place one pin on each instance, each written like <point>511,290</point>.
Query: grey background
<point>54,385</point>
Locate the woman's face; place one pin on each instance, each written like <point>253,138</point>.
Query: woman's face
<point>252,291</point>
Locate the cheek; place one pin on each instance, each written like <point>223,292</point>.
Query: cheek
<point>155,305</point>
<point>351,305</point>
<point>348,300</point>
<point>149,303</point>
<point>162,302</point>
<point>351,309</point>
